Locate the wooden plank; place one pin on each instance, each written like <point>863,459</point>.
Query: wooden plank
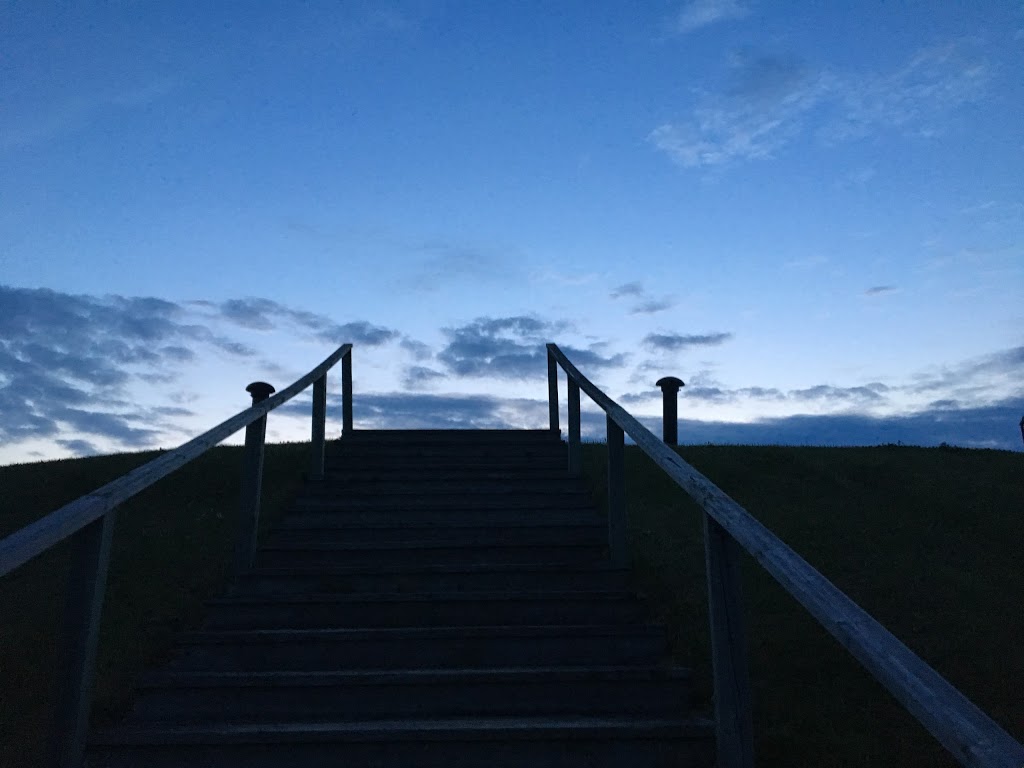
<point>319,429</point>
<point>575,449</point>
<point>252,484</point>
<point>618,544</point>
<point>733,716</point>
<point>39,536</point>
<point>552,394</point>
<point>87,583</point>
<point>970,735</point>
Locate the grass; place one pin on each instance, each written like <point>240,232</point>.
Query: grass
<point>926,540</point>
<point>172,550</point>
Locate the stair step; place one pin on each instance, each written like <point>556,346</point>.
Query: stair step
<point>594,534</point>
<point>459,436</point>
<point>482,742</point>
<point>233,697</point>
<point>298,519</point>
<point>536,577</point>
<point>418,553</point>
<point>439,503</point>
<point>420,648</point>
<point>467,609</point>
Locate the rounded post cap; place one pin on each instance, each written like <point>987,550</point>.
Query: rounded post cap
<point>260,390</point>
<point>669,384</point>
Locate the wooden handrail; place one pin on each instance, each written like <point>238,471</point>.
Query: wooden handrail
<point>969,734</point>
<point>37,537</point>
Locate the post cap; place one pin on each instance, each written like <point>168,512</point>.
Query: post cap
<point>260,391</point>
<point>669,384</point>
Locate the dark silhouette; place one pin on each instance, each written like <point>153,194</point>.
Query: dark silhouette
<point>670,411</point>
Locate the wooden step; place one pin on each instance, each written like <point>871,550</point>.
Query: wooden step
<point>420,648</point>
<point>544,742</point>
<point>465,609</point>
<point>535,577</point>
<point>594,534</point>
<point>360,695</point>
<point>419,553</point>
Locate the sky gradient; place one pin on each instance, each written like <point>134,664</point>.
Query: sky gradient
<point>814,217</point>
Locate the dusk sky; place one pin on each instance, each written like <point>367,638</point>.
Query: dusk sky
<point>812,213</point>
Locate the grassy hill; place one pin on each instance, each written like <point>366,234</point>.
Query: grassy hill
<point>927,540</point>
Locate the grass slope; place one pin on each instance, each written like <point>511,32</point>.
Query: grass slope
<point>927,540</point>
<point>172,550</point>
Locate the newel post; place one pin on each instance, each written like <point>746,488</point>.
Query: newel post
<point>552,392</point>
<point>670,408</point>
<point>252,480</point>
<point>346,393</point>
<point>316,470</point>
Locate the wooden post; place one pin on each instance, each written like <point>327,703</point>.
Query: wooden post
<point>1022,427</point>
<point>617,542</point>
<point>552,393</point>
<point>346,393</point>
<point>252,480</point>
<point>575,451</point>
<point>87,584</point>
<point>670,408</point>
<point>733,716</point>
<point>316,470</point>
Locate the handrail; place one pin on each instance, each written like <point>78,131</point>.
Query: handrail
<point>37,537</point>
<point>969,734</point>
<point>89,521</point>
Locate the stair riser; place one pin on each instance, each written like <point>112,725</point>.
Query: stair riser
<point>422,614</point>
<point>283,558</point>
<point>258,583</point>
<point>313,654</point>
<point>357,484</point>
<point>540,753</point>
<point>654,698</point>
<point>520,536</point>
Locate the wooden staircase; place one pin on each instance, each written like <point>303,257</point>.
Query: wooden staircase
<point>440,598</point>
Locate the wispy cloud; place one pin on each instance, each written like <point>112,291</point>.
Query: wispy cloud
<point>880,290</point>
<point>635,288</point>
<point>771,100</point>
<point>265,314</point>
<point>700,13</point>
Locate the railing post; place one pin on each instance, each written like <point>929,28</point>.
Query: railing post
<point>575,452</point>
<point>670,408</point>
<point>316,470</point>
<point>552,392</point>
<point>733,716</point>
<point>346,393</point>
<point>87,584</point>
<point>252,480</point>
<point>617,543</point>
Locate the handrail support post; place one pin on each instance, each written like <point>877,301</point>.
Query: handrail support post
<point>734,727</point>
<point>575,449</point>
<point>346,393</point>
<point>617,542</point>
<point>553,393</point>
<point>87,584</point>
<point>252,481</point>
<point>316,470</point>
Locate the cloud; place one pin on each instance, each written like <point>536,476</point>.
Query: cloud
<point>420,377</point>
<point>417,349</point>
<point>78,447</point>
<point>700,13</point>
<point>770,99</point>
<point>627,289</point>
<point>826,392</point>
<point>646,304</point>
<point>651,306</point>
<point>511,347</point>
<point>878,290</point>
<point>446,263</point>
<point>674,342</point>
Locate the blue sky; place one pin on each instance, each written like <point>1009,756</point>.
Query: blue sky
<point>812,213</point>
